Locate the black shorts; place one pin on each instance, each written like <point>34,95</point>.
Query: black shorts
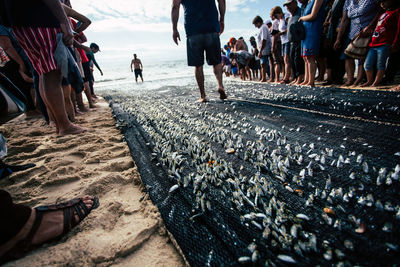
<point>88,73</point>
<point>138,72</point>
<point>197,44</point>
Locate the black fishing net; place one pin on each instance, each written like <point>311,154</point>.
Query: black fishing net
<point>276,175</point>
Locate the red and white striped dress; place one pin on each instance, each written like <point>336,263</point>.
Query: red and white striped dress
<point>39,44</point>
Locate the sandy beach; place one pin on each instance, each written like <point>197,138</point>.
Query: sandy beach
<point>126,230</point>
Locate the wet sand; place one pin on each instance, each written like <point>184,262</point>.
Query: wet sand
<point>126,230</point>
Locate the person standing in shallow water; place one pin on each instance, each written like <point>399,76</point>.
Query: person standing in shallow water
<point>203,28</point>
<point>137,64</point>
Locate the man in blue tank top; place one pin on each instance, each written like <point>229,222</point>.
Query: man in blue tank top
<point>203,27</point>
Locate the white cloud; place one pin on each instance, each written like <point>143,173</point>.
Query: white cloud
<point>135,10</point>
<point>125,25</point>
<point>238,5</point>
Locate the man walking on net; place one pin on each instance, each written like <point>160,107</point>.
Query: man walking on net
<point>137,64</point>
<point>203,28</point>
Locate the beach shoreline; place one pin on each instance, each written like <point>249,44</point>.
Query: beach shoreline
<point>125,230</point>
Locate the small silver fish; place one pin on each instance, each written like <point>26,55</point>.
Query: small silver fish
<point>286,258</point>
<point>173,188</point>
<point>303,216</point>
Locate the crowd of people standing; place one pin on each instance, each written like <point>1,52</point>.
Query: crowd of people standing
<point>340,42</point>
<point>44,63</point>
<point>33,46</point>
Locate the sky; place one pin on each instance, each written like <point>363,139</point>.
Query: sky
<point>124,27</point>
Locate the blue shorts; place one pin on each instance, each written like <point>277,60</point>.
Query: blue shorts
<point>234,70</point>
<point>285,49</point>
<point>377,58</point>
<point>197,44</point>
<point>264,60</point>
<point>138,72</point>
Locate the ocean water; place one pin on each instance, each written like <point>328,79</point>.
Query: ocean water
<point>157,75</point>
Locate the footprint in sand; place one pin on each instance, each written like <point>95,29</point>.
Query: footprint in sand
<point>119,166</point>
<point>60,181</point>
<point>24,148</point>
<point>35,133</point>
<point>106,183</point>
<point>78,154</point>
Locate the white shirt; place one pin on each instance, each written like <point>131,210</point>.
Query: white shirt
<point>264,34</point>
<point>282,28</point>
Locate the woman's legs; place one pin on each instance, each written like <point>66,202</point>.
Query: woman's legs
<point>360,73</point>
<point>68,102</point>
<point>312,70</point>
<point>288,68</point>
<point>350,68</point>
<point>55,103</point>
<point>277,72</point>
<point>307,72</point>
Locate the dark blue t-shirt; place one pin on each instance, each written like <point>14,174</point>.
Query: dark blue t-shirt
<point>27,13</point>
<point>201,16</point>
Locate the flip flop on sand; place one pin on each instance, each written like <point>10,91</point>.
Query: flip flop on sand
<point>74,211</point>
<point>6,170</point>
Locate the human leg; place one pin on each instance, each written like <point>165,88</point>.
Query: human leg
<point>68,102</point>
<point>271,70</point>
<point>198,71</point>
<point>218,75</point>
<point>288,68</point>
<point>360,72</point>
<point>263,74</point>
<point>369,65</point>
<point>277,71</point>
<point>54,96</point>
<point>396,88</point>
<point>350,68</point>
<point>307,71</point>
<point>382,58</point>
<point>88,94</point>
<point>312,70</point>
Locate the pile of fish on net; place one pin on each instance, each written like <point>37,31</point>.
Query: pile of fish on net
<point>247,181</point>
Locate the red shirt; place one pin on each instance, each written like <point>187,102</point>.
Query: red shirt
<point>80,50</point>
<point>387,30</point>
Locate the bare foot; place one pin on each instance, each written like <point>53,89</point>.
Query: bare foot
<point>78,113</point>
<point>349,83</point>
<point>222,94</point>
<point>310,84</point>
<point>357,82</point>
<point>366,84</point>
<point>202,100</point>
<point>376,84</point>
<point>83,109</point>
<point>73,129</point>
<point>304,83</point>
<point>396,89</point>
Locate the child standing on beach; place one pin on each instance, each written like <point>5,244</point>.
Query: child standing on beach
<point>384,41</point>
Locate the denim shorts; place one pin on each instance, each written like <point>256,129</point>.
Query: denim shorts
<point>200,43</point>
<point>377,58</point>
<point>264,60</point>
<point>285,49</point>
